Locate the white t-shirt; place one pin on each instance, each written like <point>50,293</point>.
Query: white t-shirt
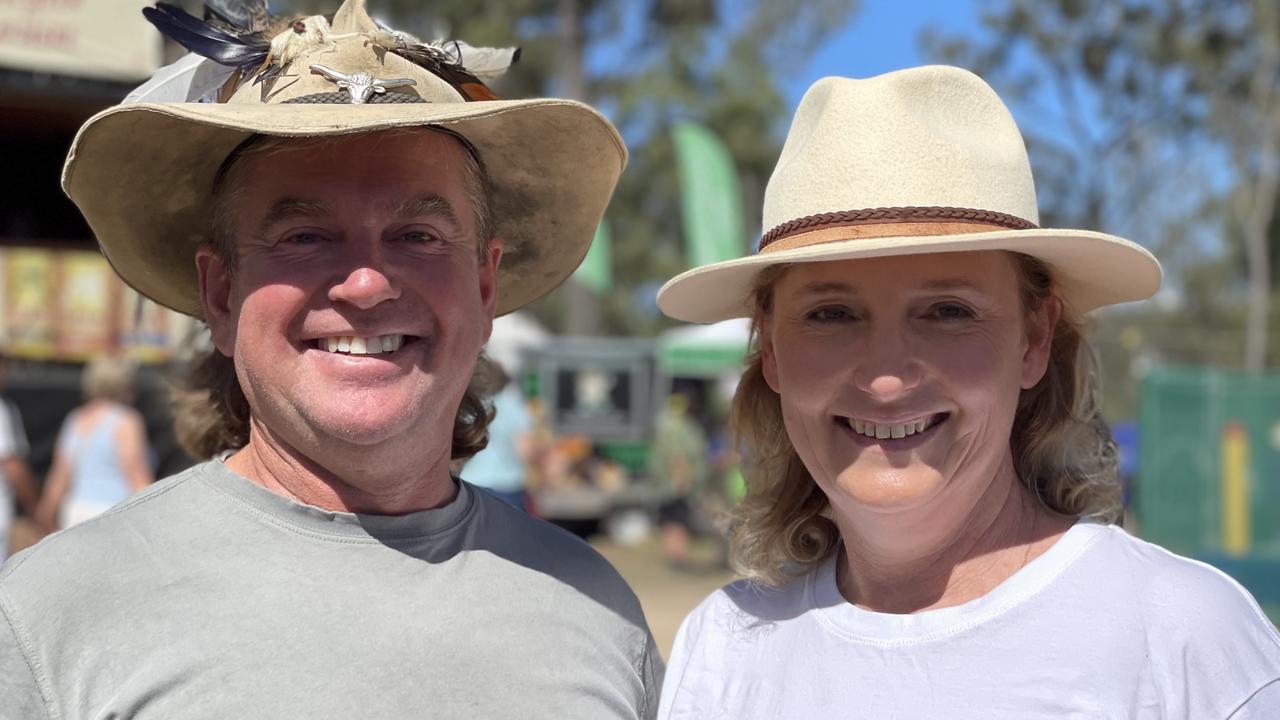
<point>1102,625</point>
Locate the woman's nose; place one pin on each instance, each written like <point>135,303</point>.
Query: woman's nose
<point>886,368</point>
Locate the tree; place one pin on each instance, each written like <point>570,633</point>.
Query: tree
<point>1169,130</point>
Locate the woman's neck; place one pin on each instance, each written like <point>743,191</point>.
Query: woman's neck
<point>919,561</point>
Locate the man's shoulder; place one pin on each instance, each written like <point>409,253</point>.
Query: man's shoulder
<point>107,542</point>
<point>545,548</point>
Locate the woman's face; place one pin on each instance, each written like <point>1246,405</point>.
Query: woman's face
<point>899,376</point>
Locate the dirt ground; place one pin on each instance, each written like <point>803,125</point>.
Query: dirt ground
<point>666,594</point>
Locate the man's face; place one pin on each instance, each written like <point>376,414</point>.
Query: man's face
<point>359,302</point>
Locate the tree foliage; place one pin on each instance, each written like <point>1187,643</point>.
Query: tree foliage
<point>1158,120</point>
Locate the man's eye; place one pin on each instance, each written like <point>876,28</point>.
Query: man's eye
<point>418,236</point>
<point>303,238</point>
<point>950,311</point>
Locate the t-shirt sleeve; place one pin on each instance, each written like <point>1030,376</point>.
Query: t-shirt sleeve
<point>1263,705</point>
<point>18,687</point>
<point>651,671</point>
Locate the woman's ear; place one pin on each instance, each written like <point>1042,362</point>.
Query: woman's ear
<point>1040,327</point>
<point>768,360</point>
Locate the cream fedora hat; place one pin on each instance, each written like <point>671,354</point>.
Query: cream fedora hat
<point>925,160</point>
<point>141,173</point>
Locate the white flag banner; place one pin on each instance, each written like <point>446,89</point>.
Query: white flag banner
<point>106,39</point>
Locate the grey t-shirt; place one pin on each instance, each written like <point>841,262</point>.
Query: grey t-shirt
<point>209,596</point>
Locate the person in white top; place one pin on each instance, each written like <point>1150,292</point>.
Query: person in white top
<point>930,481</point>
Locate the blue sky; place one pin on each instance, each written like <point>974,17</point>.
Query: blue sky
<point>884,35</point>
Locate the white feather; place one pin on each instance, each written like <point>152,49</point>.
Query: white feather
<point>484,62</point>
<point>190,79</point>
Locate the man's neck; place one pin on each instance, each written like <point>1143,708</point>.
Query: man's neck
<point>905,565</point>
<point>368,488</point>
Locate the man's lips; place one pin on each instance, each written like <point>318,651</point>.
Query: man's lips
<point>385,345</point>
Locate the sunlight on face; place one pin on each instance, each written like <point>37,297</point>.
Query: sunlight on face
<point>899,376</point>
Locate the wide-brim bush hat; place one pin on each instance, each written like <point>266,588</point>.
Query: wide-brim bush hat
<point>142,172</point>
<point>924,160</point>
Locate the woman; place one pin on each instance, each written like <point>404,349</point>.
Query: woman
<point>930,481</point>
<point>101,454</point>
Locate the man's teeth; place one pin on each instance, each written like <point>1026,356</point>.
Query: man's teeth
<point>362,346</point>
<point>885,432</point>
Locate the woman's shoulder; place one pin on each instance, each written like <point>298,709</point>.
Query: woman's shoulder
<point>1180,598</point>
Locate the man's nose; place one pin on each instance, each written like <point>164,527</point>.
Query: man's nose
<point>365,286</point>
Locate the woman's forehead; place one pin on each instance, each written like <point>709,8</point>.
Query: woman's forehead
<point>988,271</point>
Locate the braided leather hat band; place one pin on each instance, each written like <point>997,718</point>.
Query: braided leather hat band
<point>890,221</point>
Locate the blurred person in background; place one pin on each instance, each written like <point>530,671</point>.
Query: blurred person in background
<point>16,481</point>
<point>931,488</point>
<point>502,467</point>
<point>678,464</point>
<point>347,222</point>
<point>100,458</point>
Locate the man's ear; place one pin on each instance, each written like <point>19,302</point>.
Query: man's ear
<point>768,360</point>
<point>1040,328</point>
<point>215,299</point>
<point>489,263</point>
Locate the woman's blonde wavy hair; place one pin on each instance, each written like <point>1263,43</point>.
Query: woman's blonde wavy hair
<point>1062,448</point>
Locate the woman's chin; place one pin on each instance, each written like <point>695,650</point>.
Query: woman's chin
<point>888,490</point>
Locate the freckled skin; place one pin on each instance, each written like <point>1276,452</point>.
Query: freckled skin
<point>377,428</point>
<point>875,342</point>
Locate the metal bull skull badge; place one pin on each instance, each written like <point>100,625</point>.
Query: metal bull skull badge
<point>360,85</point>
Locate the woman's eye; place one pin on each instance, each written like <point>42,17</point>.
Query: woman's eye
<point>830,314</point>
<point>950,311</point>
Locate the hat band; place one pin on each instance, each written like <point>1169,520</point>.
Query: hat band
<point>887,222</point>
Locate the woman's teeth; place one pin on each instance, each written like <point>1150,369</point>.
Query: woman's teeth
<point>885,432</point>
<point>351,345</point>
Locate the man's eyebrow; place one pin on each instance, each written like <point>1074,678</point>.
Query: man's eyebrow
<point>289,207</point>
<point>427,206</point>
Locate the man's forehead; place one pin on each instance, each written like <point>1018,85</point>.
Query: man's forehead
<point>417,140</point>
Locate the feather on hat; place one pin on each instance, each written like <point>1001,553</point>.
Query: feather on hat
<point>141,172</point>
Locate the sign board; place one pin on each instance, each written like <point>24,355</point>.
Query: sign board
<point>67,305</point>
<point>103,39</point>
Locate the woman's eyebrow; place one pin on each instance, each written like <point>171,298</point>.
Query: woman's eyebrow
<point>829,286</point>
<point>951,284</point>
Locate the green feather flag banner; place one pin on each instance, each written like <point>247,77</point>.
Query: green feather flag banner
<point>596,270</point>
<point>711,202</point>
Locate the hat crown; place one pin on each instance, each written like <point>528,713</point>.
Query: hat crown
<point>928,136</point>
<point>352,45</point>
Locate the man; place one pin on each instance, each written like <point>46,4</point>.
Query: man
<point>16,482</point>
<point>349,259</point>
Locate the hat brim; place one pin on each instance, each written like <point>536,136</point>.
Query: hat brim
<point>142,175</point>
<point>1090,269</point>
